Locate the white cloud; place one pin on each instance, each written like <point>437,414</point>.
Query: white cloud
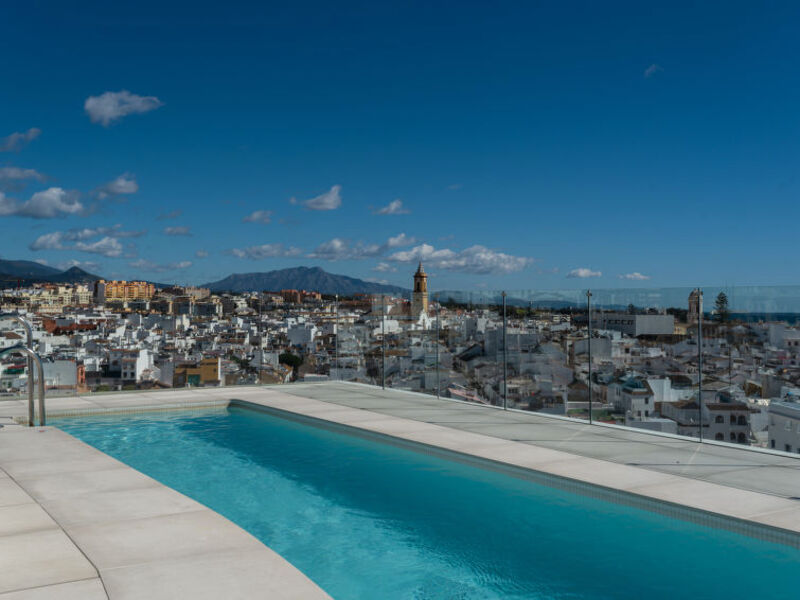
<point>180,230</point>
<point>375,280</point>
<point>17,140</point>
<point>123,185</point>
<point>146,265</point>
<point>260,216</point>
<point>400,240</point>
<point>47,204</point>
<point>17,174</point>
<point>201,254</point>
<point>635,276</point>
<point>652,70</point>
<point>330,200</point>
<point>264,251</point>
<point>106,246</point>
<point>111,106</point>
<point>395,207</point>
<point>49,241</point>
<point>583,273</point>
<point>383,267</point>
<point>340,249</point>
<point>59,240</point>
<point>475,259</point>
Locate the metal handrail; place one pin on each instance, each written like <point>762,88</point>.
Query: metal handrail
<point>33,358</point>
<point>24,322</point>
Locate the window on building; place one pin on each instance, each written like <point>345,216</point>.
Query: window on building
<point>787,425</point>
<point>719,419</point>
<point>719,437</point>
<point>787,447</point>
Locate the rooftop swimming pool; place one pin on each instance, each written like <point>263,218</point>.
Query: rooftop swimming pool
<point>367,520</point>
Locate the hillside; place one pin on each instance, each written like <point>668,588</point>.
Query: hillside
<point>25,272</point>
<point>301,278</point>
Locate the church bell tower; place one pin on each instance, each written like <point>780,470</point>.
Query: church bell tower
<point>419,301</point>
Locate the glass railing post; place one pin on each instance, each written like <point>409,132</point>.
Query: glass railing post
<point>336,336</point>
<point>383,341</point>
<point>589,347</point>
<point>438,383</point>
<point>700,367</point>
<point>505,358</point>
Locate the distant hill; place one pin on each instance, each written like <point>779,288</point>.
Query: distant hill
<point>74,275</point>
<point>27,272</point>
<point>495,298</point>
<point>25,269</point>
<point>302,278</point>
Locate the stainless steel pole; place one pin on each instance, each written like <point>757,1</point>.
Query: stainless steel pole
<point>700,365</point>
<point>505,358</point>
<point>383,341</point>
<point>336,335</point>
<point>589,348</point>
<point>438,384</point>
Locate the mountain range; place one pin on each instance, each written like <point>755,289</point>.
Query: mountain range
<point>302,278</point>
<point>26,272</point>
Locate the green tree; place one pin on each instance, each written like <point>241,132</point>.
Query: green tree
<point>291,360</point>
<point>721,308</point>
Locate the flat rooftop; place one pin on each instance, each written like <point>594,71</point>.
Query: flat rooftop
<point>75,521</point>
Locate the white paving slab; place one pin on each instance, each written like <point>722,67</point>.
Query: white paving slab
<point>88,589</point>
<point>237,575</point>
<point>24,518</point>
<point>119,505</point>
<point>155,539</point>
<point>40,558</point>
<point>76,483</point>
<point>11,494</point>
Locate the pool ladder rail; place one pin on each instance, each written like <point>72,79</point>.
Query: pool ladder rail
<point>33,360</point>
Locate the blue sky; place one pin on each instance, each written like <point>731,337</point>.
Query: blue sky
<point>514,145</point>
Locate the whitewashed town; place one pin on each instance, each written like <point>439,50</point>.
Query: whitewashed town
<point>119,335</point>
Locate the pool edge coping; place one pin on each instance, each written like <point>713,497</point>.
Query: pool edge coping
<point>273,399</point>
<point>749,526</point>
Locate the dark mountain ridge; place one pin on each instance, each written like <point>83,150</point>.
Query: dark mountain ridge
<point>26,272</point>
<point>302,278</point>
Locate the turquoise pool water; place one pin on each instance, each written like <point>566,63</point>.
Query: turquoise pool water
<point>366,520</point>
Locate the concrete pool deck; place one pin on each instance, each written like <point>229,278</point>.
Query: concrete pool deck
<point>75,521</point>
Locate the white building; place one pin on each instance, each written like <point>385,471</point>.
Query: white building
<point>784,425</point>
